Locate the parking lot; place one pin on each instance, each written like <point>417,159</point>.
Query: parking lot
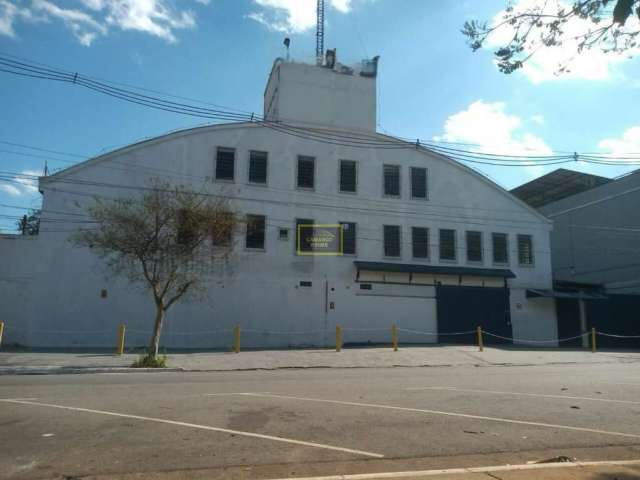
<point>308,422</point>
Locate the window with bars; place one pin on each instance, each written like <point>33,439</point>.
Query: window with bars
<point>391,180</point>
<point>348,179</point>
<point>447,244</point>
<point>420,242</point>
<point>474,246</point>
<point>391,241</point>
<point>348,238</point>
<point>500,248</point>
<point>306,172</point>
<point>225,163</point>
<point>525,250</point>
<point>257,167</point>
<point>419,183</point>
<point>304,231</point>
<point>255,231</point>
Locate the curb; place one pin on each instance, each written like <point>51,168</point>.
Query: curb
<point>81,370</point>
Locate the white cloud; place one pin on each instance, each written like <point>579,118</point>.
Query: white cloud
<point>629,143</point>
<point>292,16</point>
<point>94,18</point>
<point>543,66</point>
<point>487,128</point>
<point>22,186</point>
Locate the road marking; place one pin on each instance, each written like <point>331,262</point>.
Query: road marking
<point>448,414</point>
<point>201,427</point>
<point>453,471</point>
<point>497,392</point>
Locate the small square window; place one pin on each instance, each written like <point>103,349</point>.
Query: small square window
<point>283,234</point>
<point>365,286</point>
<point>304,283</point>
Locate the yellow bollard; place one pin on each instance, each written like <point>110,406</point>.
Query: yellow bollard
<point>338,338</point>
<point>236,339</point>
<point>394,337</point>
<point>480,343</point>
<point>1,331</point>
<point>121,331</point>
<point>593,339</point>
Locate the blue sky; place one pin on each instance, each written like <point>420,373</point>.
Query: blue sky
<point>431,85</point>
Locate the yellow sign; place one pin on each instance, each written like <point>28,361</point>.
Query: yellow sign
<point>316,239</point>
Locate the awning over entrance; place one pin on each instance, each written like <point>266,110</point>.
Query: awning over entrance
<point>534,293</point>
<point>432,269</point>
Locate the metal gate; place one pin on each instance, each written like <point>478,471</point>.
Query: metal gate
<point>463,309</point>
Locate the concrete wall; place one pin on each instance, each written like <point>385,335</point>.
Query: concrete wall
<point>318,95</point>
<point>596,236</point>
<point>261,289</point>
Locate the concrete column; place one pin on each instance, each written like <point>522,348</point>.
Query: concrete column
<point>583,323</point>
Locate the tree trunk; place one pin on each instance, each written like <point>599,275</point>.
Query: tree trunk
<point>155,340</point>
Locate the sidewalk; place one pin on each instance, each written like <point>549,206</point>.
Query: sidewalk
<point>17,362</point>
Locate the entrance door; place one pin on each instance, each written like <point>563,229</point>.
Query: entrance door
<point>568,314</point>
<point>463,309</point>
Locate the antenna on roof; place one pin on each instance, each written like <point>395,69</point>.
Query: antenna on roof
<point>287,42</point>
<point>319,32</point>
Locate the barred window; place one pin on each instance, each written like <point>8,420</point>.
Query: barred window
<point>500,248</point>
<point>447,244</point>
<point>348,238</point>
<point>306,172</point>
<point>420,242</point>
<point>525,250</point>
<point>255,231</point>
<point>304,232</point>
<point>391,180</point>
<point>391,241</point>
<point>474,246</point>
<point>348,176</point>
<point>225,163</point>
<point>418,182</point>
<point>257,167</point>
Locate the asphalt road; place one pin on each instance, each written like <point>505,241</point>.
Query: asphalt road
<point>304,422</point>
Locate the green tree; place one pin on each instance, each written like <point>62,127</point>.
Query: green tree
<point>159,241</point>
<point>530,26</point>
<point>29,224</point>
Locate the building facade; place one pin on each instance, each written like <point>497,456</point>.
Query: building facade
<point>429,244</point>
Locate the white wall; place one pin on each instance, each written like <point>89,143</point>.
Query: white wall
<point>260,289</point>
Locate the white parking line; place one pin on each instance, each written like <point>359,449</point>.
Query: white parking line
<point>541,395</point>
<point>448,414</point>
<point>201,427</point>
<point>453,471</point>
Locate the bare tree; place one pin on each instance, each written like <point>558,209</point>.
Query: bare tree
<point>158,240</point>
<point>600,24</point>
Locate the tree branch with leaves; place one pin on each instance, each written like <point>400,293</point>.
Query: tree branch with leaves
<point>159,240</point>
<point>526,27</point>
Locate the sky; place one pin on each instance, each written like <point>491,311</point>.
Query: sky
<point>431,85</point>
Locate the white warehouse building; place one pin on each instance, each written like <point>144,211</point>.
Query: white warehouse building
<point>429,244</point>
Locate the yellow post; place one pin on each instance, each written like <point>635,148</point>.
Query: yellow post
<point>338,338</point>
<point>236,339</point>
<point>1,330</point>
<point>394,337</point>
<point>121,331</point>
<point>593,339</point>
<point>480,343</point>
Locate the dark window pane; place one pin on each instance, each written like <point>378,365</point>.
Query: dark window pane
<point>304,231</point>
<point>525,250</point>
<point>474,246</point>
<point>447,244</point>
<point>222,229</point>
<point>500,250</point>
<point>258,167</point>
<point>418,182</point>
<point>391,241</point>
<point>420,242</point>
<point>348,238</point>
<point>225,161</point>
<point>306,170</point>
<point>255,231</point>
<point>347,176</point>
<point>391,180</point>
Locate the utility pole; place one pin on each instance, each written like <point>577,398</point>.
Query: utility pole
<point>319,32</point>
